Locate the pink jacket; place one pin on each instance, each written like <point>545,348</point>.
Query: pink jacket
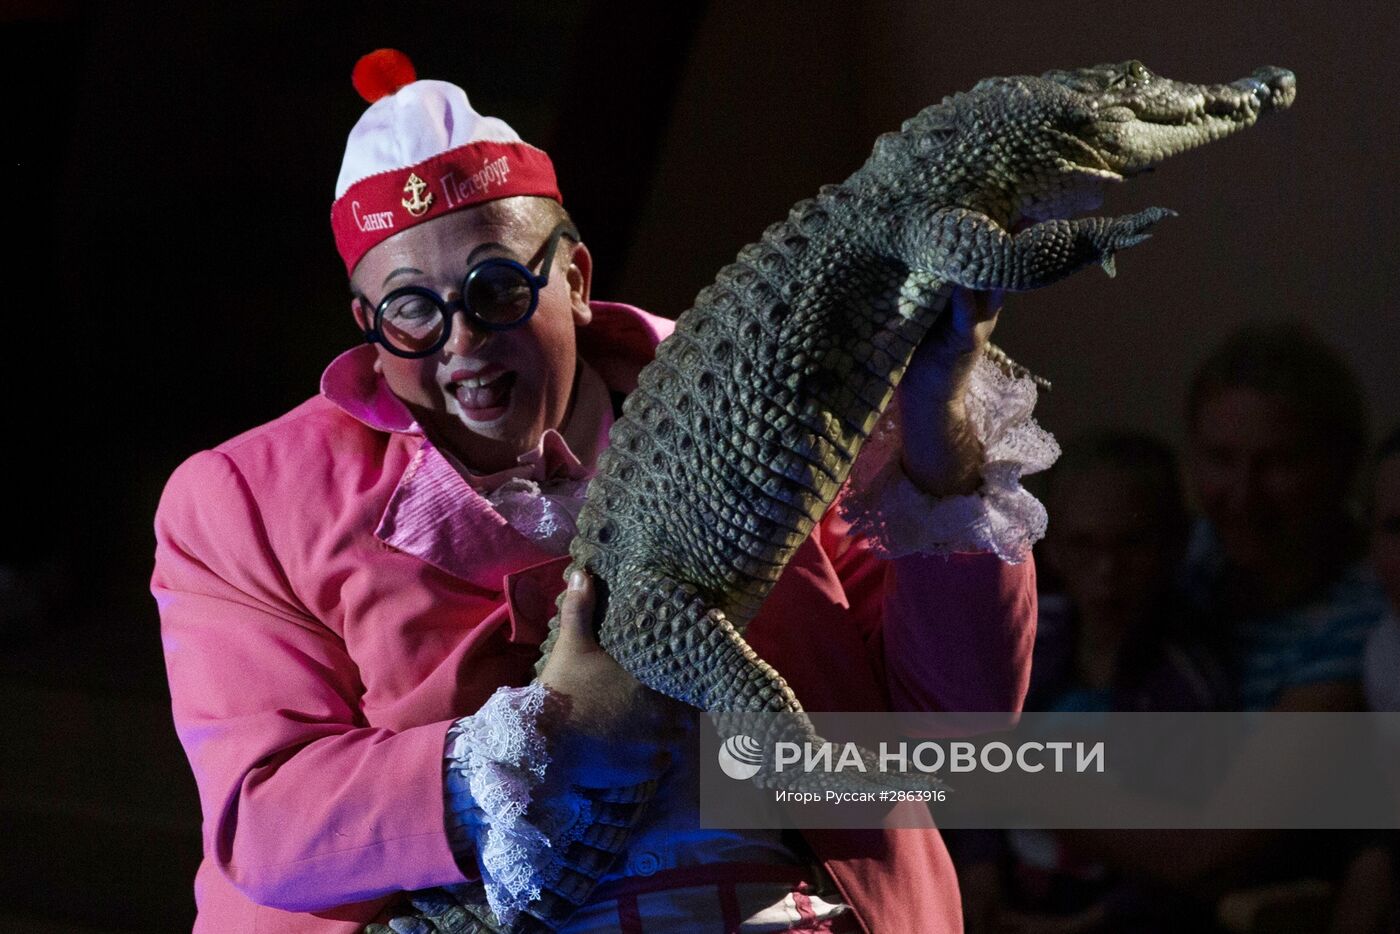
<point>333,595</point>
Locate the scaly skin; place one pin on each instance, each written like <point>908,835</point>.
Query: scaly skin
<point>741,432</point>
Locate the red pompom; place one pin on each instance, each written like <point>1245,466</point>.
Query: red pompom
<point>381,73</point>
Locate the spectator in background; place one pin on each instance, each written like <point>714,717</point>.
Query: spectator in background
<point>1367,899</point>
<point>1112,641</point>
<point>1275,577</point>
<point>1115,640</point>
<point>1276,432</point>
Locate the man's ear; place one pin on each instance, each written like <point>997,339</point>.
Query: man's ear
<point>360,311</point>
<point>580,279</point>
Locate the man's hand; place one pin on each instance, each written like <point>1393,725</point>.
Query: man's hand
<point>941,452</point>
<point>612,731</point>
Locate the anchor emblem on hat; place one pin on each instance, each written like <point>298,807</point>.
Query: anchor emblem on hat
<point>417,205</point>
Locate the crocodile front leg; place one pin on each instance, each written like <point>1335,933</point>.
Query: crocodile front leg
<point>974,251</point>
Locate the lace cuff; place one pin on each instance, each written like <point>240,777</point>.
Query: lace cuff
<point>883,504</point>
<point>496,760</point>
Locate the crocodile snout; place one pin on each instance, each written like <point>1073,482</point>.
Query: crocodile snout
<point>1274,87</point>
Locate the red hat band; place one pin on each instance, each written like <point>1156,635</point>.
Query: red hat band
<point>375,208</point>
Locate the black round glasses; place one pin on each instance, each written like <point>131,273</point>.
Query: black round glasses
<point>497,294</point>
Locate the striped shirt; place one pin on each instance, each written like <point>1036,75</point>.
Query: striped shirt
<point>1314,642</point>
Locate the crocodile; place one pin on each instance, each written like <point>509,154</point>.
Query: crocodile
<point>742,431</point>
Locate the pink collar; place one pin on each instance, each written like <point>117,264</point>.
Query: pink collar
<point>357,390</point>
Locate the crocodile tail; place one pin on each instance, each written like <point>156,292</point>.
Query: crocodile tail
<point>728,679</point>
<point>614,812</point>
<point>686,649</point>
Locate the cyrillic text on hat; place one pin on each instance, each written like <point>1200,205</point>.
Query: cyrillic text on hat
<point>380,220</point>
<point>458,190</point>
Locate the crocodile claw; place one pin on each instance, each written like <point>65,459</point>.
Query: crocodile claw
<point>1132,229</point>
<point>1129,230</point>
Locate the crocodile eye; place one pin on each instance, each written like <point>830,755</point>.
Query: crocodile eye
<point>1138,71</point>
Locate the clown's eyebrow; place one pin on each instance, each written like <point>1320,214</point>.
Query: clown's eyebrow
<point>489,245</point>
<point>402,271</point>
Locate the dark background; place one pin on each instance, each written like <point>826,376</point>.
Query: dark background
<point>171,278</point>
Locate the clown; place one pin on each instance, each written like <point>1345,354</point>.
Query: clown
<point>352,596</point>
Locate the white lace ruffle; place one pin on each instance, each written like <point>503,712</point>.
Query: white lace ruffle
<point>881,502</point>
<point>520,834</point>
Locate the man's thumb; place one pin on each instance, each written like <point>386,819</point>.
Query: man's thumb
<point>576,611</point>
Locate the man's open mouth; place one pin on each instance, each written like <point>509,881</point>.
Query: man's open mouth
<point>484,397</point>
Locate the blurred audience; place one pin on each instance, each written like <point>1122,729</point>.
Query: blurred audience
<point>1369,892</point>
<point>1276,579</point>
<point>1271,609</point>
<point>1113,640</point>
<point>1276,431</point>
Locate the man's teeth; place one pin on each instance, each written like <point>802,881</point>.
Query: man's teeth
<point>476,382</point>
